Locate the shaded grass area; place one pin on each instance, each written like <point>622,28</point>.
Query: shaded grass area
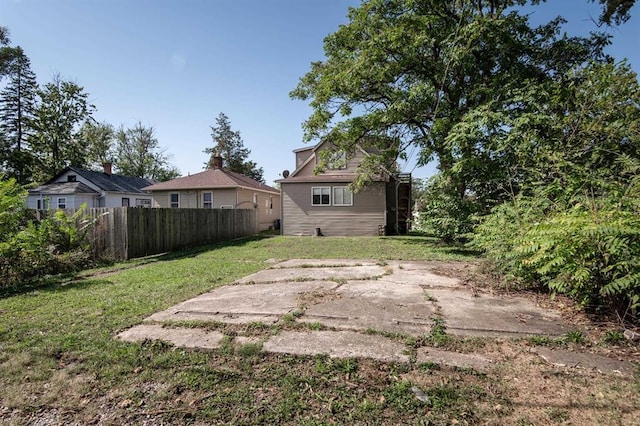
<point>59,360</point>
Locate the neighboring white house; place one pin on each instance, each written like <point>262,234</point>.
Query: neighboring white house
<point>73,187</point>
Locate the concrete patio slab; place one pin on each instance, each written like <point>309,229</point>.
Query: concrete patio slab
<point>182,337</point>
<point>243,303</point>
<point>353,296</point>
<point>592,362</point>
<point>314,273</point>
<point>501,316</point>
<point>337,344</point>
<point>453,359</point>
<point>378,305</point>
<point>422,278</point>
<point>306,263</point>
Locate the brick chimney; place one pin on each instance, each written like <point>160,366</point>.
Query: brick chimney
<point>217,161</point>
<point>107,168</point>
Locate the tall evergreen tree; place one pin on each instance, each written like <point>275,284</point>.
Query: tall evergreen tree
<point>7,53</point>
<point>61,109</point>
<point>138,153</point>
<point>229,144</point>
<point>17,104</point>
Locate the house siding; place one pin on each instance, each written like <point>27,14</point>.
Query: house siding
<point>351,166</point>
<point>227,198</point>
<point>115,199</point>
<point>300,217</point>
<point>266,214</point>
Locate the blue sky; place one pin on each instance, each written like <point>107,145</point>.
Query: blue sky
<point>176,64</point>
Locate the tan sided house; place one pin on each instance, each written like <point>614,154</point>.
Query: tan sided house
<point>323,204</point>
<point>218,188</point>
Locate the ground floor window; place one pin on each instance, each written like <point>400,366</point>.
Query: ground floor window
<point>207,200</point>
<point>62,203</point>
<point>321,196</point>
<point>125,202</point>
<point>174,200</point>
<point>43,204</point>
<point>143,202</point>
<point>342,196</point>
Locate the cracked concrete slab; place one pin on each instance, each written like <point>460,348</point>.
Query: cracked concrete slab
<point>243,303</point>
<point>587,361</point>
<point>363,305</point>
<point>502,316</point>
<point>337,344</point>
<point>183,337</point>
<point>453,359</point>
<point>306,263</point>
<point>422,278</point>
<point>276,274</point>
<point>354,296</point>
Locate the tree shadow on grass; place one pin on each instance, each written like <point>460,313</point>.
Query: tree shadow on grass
<point>454,249</point>
<point>86,278</point>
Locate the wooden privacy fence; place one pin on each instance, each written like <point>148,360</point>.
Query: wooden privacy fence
<point>122,233</point>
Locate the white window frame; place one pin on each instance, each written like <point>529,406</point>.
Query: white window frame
<point>321,189</point>
<point>171,202</point>
<point>62,203</point>
<point>344,190</point>
<point>143,202</point>
<point>210,202</point>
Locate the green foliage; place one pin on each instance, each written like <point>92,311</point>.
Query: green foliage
<point>229,145</point>
<point>587,248</point>
<point>138,153</point>
<point>61,108</point>
<point>442,214</point>
<point>17,103</point>
<point>30,249</point>
<point>443,80</point>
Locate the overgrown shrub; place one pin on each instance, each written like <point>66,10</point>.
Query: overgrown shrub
<point>443,214</point>
<point>32,248</point>
<point>587,248</point>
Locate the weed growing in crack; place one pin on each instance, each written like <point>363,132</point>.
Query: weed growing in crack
<point>438,335</point>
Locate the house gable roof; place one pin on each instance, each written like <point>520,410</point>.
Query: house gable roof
<point>107,182</point>
<point>295,176</point>
<point>212,179</point>
<point>62,188</point>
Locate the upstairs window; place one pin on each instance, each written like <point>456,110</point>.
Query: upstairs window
<point>321,196</point>
<point>342,196</point>
<point>174,200</point>
<point>337,160</point>
<point>71,178</point>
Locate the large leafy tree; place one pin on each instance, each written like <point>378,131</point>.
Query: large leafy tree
<point>228,144</point>
<point>61,109</point>
<point>138,153</point>
<point>99,140</point>
<point>17,104</point>
<point>417,71</point>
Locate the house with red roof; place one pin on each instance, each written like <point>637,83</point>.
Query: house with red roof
<point>218,188</point>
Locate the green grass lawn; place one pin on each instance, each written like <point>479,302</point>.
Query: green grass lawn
<point>59,359</point>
